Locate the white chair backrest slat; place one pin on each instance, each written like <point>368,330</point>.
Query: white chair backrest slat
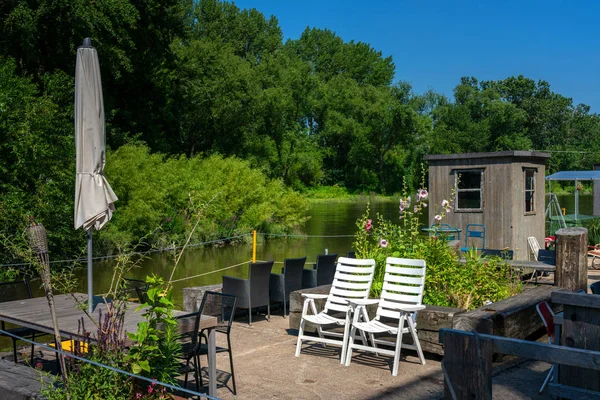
<point>401,286</point>
<point>404,279</point>
<point>401,289</point>
<point>392,269</point>
<point>352,280</point>
<point>356,277</point>
<point>352,285</point>
<point>338,292</point>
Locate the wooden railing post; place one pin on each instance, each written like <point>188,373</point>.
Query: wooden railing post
<point>571,258</point>
<point>467,366</point>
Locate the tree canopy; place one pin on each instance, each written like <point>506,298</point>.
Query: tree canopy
<point>204,78</point>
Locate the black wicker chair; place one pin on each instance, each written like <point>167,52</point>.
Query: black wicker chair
<point>252,292</point>
<point>289,280</point>
<point>215,304</point>
<point>18,290</point>
<point>322,272</point>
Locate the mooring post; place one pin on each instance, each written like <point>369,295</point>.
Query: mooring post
<point>571,258</point>
<point>467,365</point>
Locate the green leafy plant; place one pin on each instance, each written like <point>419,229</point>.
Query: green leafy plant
<point>156,350</point>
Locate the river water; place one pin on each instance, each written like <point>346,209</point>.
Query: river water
<point>330,228</point>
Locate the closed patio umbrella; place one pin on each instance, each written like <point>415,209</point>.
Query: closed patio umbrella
<point>94,197</point>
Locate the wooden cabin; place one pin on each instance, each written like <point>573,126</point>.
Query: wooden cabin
<point>504,191</point>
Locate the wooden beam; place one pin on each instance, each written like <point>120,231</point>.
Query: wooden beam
<point>569,392</point>
<point>576,299</point>
<point>474,382</point>
<point>537,351</point>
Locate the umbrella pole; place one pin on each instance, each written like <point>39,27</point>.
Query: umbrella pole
<point>90,274</point>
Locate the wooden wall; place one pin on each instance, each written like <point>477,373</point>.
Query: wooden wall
<point>503,211</point>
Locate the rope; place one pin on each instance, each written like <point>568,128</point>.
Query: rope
<point>97,364</point>
<point>208,273</point>
<point>305,236</point>
<point>147,252</point>
<point>179,247</point>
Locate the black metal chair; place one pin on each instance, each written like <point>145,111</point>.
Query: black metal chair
<point>18,290</point>
<point>322,272</point>
<point>252,292</point>
<point>139,286</point>
<point>215,304</point>
<point>290,279</point>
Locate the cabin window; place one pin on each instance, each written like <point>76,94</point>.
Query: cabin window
<point>469,190</point>
<point>529,191</point>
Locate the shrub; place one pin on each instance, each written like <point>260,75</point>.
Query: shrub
<point>448,282</point>
<point>157,191</point>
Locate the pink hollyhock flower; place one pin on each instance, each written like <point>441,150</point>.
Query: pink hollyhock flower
<point>383,243</point>
<point>438,217</point>
<point>369,225</point>
<point>424,205</point>
<point>445,203</point>
<point>422,194</point>
<point>416,209</point>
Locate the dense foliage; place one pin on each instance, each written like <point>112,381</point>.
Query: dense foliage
<point>205,79</point>
<point>448,282</point>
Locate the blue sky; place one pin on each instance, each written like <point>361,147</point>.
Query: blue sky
<point>435,43</point>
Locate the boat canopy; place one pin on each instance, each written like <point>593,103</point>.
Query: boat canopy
<point>574,176</point>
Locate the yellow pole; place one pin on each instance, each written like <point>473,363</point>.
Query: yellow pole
<point>254,246</point>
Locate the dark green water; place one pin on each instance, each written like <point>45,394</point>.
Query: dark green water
<point>331,226</point>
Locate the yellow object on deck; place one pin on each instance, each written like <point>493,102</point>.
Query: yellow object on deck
<point>69,345</point>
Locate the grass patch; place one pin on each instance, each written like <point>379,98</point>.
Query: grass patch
<point>339,194</point>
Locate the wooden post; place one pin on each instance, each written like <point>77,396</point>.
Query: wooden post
<point>581,330</point>
<point>468,366</point>
<point>571,258</point>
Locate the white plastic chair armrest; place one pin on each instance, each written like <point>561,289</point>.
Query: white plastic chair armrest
<point>408,308</point>
<point>362,302</point>
<point>315,296</point>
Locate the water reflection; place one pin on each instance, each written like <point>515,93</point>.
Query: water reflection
<point>331,226</point>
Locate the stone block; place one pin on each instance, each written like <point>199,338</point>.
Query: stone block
<point>18,382</point>
<point>192,296</point>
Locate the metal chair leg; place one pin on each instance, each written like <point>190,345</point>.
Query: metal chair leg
<point>548,378</point>
<point>32,347</point>
<point>14,349</point>
<point>231,364</point>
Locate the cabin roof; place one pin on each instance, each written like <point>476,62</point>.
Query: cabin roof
<point>512,153</point>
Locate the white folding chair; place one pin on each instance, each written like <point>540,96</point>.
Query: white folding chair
<point>547,316</point>
<point>352,281</point>
<point>401,298</point>
<point>534,247</point>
